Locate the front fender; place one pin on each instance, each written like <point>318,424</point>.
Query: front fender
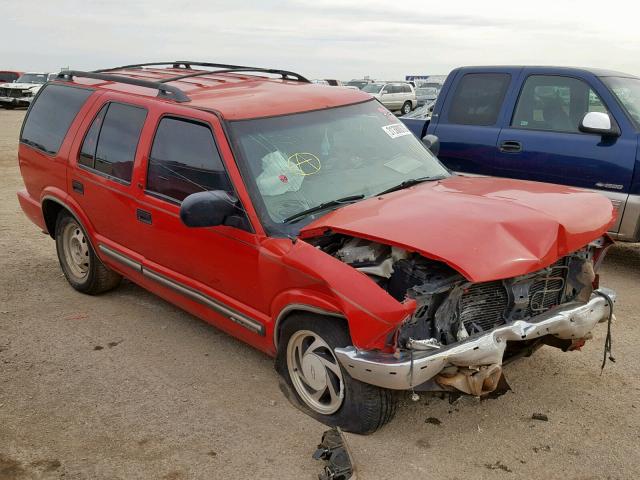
<point>373,315</point>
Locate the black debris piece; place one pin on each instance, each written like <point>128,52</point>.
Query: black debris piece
<point>540,416</point>
<point>334,452</point>
<point>433,421</point>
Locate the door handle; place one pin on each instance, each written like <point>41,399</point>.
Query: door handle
<point>143,216</point>
<point>510,146</point>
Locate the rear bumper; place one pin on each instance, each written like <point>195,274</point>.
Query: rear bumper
<point>569,321</point>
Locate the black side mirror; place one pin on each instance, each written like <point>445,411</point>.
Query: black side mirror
<point>207,209</point>
<point>432,143</point>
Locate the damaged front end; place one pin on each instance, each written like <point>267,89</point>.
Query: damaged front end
<point>462,332</point>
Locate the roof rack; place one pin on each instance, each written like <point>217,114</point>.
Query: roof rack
<point>164,91</point>
<point>169,91</point>
<point>226,68</point>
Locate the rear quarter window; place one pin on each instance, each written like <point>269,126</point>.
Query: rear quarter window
<point>51,115</point>
<point>478,98</point>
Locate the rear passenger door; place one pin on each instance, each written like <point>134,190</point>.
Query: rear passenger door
<point>469,122</point>
<point>100,179</point>
<point>216,266</point>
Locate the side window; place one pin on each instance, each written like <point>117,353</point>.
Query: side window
<point>184,160</point>
<point>478,98</point>
<point>88,150</point>
<point>555,103</point>
<point>50,116</point>
<point>111,141</point>
<point>387,89</point>
<point>406,89</point>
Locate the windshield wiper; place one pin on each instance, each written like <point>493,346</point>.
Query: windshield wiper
<point>409,183</point>
<point>322,206</point>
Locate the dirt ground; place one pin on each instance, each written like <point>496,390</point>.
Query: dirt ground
<point>126,386</point>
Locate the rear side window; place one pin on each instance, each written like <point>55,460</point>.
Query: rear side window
<point>51,115</point>
<point>478,98</point>
<point>111,141</point>
<point>184,160</point>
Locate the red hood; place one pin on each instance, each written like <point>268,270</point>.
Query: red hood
<point>485,228</point>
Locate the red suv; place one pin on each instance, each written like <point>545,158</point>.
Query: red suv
<point>308,222</point>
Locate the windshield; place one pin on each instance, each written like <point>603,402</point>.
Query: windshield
<point>372,87</point>
<point>33,78</point>
<point>627,90</point>
<point>296,162</point>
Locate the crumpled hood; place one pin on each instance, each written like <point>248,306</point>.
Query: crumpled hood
<point>485,228</point>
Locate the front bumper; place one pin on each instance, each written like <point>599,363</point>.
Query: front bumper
<point>568,321</point>
<point>16,101</point>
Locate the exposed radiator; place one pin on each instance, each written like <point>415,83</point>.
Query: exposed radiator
<point>483,306</point>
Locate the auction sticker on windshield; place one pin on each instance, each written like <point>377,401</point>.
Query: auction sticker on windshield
<point>396,130</point>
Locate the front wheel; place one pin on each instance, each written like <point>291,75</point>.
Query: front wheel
<point>320,386</point>
<point>406,108</point>
<point>80,264</point>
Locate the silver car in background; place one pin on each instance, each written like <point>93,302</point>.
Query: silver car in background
<point>394,95</point>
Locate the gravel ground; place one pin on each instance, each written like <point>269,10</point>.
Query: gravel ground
<point>127,386</point>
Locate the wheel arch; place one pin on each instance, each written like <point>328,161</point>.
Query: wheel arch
<point>294,308</point>
<point>52,206</point>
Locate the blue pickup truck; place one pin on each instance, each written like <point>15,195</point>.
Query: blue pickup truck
<point>572,126</point>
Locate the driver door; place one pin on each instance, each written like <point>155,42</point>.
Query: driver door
<point>212,266</point>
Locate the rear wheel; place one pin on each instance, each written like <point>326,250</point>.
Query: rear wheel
<point>80,265</point>
<point>320,386</point>
<point>406,108</point>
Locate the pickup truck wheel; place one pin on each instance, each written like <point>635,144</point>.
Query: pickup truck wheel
<point>406,108</point>
<point>322,388</point>
<point>80,265</point>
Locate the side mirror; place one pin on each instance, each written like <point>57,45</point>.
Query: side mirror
<point>600,123</point>
<point>207,209</point>
<point>432,143</point>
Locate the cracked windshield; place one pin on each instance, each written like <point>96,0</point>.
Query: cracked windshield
<point>302,161</point>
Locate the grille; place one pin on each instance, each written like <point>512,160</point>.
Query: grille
<point>547,289</point>
<point>483,306</point>
<point>14,93</point>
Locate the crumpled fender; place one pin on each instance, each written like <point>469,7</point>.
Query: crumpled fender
<point>373,315</point>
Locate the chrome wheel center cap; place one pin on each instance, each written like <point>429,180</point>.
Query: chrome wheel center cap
<point>314,371</point>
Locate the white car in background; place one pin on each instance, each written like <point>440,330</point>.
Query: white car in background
<point>20,93</point>
<point>394,95</point>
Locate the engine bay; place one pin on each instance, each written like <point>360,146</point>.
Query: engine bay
<point>451,309</point>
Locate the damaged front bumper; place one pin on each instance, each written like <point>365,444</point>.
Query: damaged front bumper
<point>569,321</point>
<point>23,101</point>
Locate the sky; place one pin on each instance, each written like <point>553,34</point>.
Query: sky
<point>341,39</point>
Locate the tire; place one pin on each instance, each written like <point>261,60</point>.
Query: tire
<point>362,409</point>
<point>79,262</point>
<point>406,108</point>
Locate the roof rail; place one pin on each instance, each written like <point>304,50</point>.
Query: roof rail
<point>164,91</point>
<point>169,91</point>
<point>225,68</point>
